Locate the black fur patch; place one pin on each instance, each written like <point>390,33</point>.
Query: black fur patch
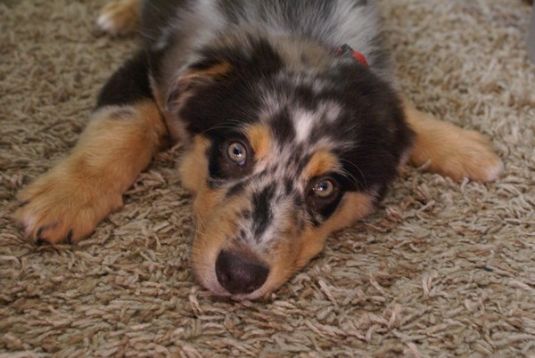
<point>156,14</point>
<point>379,129</point>
<point>130,83</point>
<point>229,102</point>
<point>262,214</point>
<point>283,130</point>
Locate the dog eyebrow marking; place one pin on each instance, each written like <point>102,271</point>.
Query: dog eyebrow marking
<point>320,163</point>
<point>262,214</point>
<point>259,136</point>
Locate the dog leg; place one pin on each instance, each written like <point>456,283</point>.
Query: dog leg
<point>450,150</point>
<point>120,17</point>
<point>124,133</point>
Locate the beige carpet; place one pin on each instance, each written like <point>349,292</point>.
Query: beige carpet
<point>443,269</point>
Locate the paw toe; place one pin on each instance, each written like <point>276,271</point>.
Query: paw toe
<point>492,169</point>
<point>480,161</point>
<point>42,225</point>
<point>105,23</point>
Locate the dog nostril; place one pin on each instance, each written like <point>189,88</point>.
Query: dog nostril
<point>238,274</point>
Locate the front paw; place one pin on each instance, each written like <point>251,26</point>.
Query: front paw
<point>455,152</point>
<point>61,207</point>
<point>119,17</point>
<point>444,148</point>
<point>470,155</point>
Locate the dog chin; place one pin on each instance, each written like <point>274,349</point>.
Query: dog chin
<point>212,285</point>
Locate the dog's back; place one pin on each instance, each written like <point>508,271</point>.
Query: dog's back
<point>191,24</point>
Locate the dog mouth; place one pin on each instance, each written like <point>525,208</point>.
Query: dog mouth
<point>217,290</point>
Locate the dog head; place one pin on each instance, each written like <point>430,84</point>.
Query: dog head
<point>289,143</point>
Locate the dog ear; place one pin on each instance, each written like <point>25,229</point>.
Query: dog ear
<point>195,76</point>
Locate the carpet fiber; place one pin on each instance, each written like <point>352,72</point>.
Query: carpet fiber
<point>442,269</point>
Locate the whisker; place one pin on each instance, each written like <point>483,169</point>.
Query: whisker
<point>355,181</point>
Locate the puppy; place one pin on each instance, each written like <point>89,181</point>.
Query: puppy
<point>291,125</point>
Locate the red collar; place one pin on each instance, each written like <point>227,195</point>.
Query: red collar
<point>346,50</point>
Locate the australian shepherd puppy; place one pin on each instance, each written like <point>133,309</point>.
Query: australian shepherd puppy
<point>290,122</point>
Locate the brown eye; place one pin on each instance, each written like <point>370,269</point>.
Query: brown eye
<point>323,188</point>
<point>237,153</point>
<point>323,196</point>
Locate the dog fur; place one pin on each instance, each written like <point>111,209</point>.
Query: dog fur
<point>284,140</point>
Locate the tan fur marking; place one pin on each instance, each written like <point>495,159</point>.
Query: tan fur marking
<point>193,167</point>
<point>321,163</point>
<point>120,17</point>
<point>193,172</point>
<point>213,229</point>
<point>86,186</point>
<point>215,218</point>
<point>450,150</point>
<point>259,136</point>
<point>354,206</point>
<point>295,252</point>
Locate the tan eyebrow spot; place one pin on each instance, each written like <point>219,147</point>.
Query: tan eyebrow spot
<point>322,162</point>
<point>259,136</point>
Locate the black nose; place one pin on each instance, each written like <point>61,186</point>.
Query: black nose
<point>238,274</point>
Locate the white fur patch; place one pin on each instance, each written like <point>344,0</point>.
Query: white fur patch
<point>303,123</point>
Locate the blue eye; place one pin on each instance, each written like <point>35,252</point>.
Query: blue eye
<point>237,153</point>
